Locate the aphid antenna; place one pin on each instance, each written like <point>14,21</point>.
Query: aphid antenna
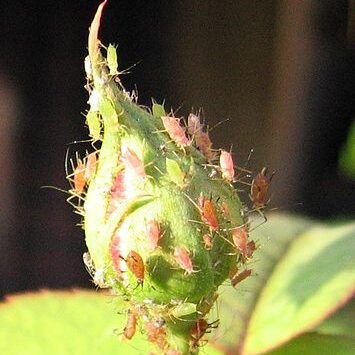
<point>260,213</point>
<point>55,188</point>
<point>158,170</point>
<point>126,71</point>
<point>225,239</point>
<point>66,162</point>
<point>249,157</point>
<point>218,124</point>
<point>197,222</point>
<point>81,141</point>
<point>237,227</point>
<point>192,201</point>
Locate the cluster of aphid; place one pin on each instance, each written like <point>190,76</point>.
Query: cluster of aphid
<point>163,222</point>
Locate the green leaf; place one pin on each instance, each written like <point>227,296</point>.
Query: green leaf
<point>340,323</point>
<point>78,322</point>
<point>316,344</point>
<point>301,276</point>
<point>236,305</point>
<point>68,322</point>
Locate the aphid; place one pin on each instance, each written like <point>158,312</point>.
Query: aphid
<point>174,171</point>
<point>182,257</point>
<point>259,189</point>
<point>79,177</point>
<point>90,166</point>
<point>193,124</point>
<point>88,67</point>
<point>131,325</point>
<point>158,110</point>
<point>206,304</point>
<point>240,239</point>
<point>207,241</point>
<point>136,265</point>
<point>112,60</point>
<point>208,213</point>
<point>134,166</point>
<point>115,253</point>
<point>175,130</point>
<point>227,166</point>
<point>89,264</point>
<point>198,330</point>
<point>237,278</point>
<point>156,334</point>
<point>225,210</point>
<point>94,124</point>
<point>250,249</point>
<point>204,143</point>
<point>153,234</point>
<point>202,139</point>
<point>94,101</point>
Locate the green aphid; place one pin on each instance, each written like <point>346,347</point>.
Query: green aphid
<point>158,110</point>
<point>112,60</point>
<point>183,309</point>
<point>175,173</point>
<point>94,124</point>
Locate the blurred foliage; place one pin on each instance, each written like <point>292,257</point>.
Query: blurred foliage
<point>347,155</point>
<point>296,301</point>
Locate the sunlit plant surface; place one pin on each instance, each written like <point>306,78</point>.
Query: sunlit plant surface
<point>173,246</point>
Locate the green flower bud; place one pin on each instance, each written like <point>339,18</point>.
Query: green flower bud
<point>160,216</point>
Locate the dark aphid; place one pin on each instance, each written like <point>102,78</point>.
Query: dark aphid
<point>259,189</point>
<point>198,330</point>
<point>239,277</point>
<point>250,249</point>
<point>136,265</point>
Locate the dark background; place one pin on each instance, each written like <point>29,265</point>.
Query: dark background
<point>281,72</point>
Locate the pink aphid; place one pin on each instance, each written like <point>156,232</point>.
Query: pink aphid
<point>194,125</point>
<point>182,257</point>
<point>115,253</point>
<point>153,234</point>
<point>227,166</point>
<point>176,132</point>
<point>134,166</point>
<point>118,192</point>
<point>240,239</point>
